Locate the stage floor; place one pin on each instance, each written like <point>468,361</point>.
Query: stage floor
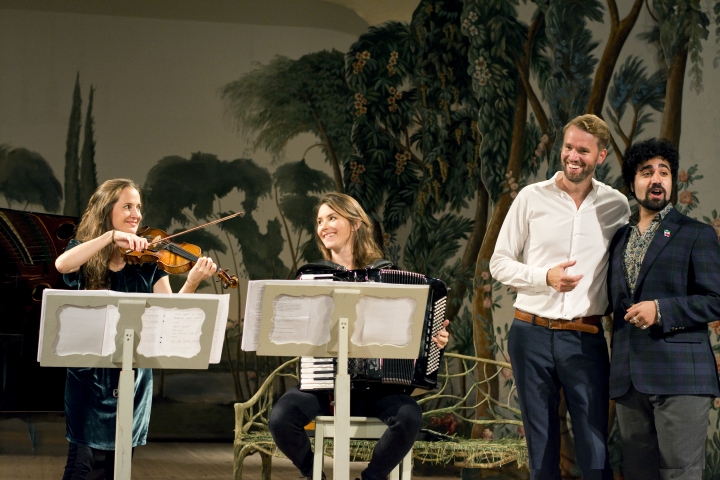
<point>162,460</point>
<point>33,447</point>
<point>170,460</point>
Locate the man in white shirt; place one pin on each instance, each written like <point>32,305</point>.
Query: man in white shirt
<point>553,247</point>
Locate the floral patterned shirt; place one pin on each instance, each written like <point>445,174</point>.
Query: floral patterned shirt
<point>638,244</point>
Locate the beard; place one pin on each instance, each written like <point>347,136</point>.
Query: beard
<point>653,205</point>
<point>578,177</point>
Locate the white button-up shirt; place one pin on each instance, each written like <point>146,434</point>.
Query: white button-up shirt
<point>544,228</point>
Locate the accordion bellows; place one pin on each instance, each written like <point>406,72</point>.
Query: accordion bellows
<point>319,373</point>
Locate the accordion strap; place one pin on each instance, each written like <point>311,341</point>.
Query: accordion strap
<point>382,263</point>
<point>325,265</point>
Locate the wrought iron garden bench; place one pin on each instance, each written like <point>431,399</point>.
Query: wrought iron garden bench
<point>463,386</point>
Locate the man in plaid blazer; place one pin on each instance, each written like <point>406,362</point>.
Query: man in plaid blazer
<point>664,288</point>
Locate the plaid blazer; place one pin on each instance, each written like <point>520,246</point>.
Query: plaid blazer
<point>681,269</point>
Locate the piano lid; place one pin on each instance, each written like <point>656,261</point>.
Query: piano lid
<point>29,239</point>
<point>29,244</point>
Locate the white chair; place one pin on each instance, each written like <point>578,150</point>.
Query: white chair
<point>360,427</point>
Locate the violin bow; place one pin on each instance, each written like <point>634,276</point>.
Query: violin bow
<point>219,220</point>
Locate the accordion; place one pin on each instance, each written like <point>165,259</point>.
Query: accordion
<point>319,373</point>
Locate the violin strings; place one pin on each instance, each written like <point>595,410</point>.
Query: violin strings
<point>181,252</point>
<point>174,248</point>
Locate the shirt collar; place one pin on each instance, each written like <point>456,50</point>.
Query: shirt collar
<point>635,217</point>
<point>552,182</point>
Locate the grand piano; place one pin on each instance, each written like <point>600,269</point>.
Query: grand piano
<point>29,244</point>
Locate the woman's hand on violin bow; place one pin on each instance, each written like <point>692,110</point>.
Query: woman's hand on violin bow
<point>204,268</point>
<point>129,241</point>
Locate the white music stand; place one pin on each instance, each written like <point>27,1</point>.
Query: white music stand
<point>342,327</point>
<point>131,308</point>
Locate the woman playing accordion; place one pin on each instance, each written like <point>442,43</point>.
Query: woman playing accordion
<point>344,234</point>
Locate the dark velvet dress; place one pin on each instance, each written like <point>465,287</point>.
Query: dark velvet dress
<point>90,393</point>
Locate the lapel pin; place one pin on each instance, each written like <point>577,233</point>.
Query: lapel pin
<point>667,233</point>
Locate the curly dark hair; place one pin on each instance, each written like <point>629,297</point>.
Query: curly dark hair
<point>641,152</point>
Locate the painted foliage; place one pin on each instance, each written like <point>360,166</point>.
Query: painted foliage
<point>434,126</point>
<point>465,105</point>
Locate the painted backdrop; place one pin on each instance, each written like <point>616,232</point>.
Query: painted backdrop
<point>433,125</point>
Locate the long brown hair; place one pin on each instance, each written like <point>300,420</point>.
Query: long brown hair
<point>97,220</point>
<point>365,250</point>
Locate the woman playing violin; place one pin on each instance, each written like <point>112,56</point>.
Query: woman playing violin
<point>93,261</point>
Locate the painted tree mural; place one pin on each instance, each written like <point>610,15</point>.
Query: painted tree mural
<point>188,192</point>
<point>434,126</point>
<point>72,158</point>
<point>88,171</point>
<point>26,178</point>
<point>417,143</point>
<point>80,170</point>
<point>557,49</point>
<point>285,98</point>
<point>293,184</point>
<point>466,104</point>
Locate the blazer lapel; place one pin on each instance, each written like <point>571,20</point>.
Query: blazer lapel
<point>617,260</point>
<point>659,242</point>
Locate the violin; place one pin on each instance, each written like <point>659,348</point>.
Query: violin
<point>174,257</point>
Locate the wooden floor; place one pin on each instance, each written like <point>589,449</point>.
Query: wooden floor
<point>34,448</point>
<point>172,460</point>
<point>154,461</point>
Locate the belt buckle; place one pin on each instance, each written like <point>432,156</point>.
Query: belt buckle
<point>550,324</point>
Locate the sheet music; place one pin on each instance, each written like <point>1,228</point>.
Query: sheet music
<point>291,319</point>
<point>86,330</point>
<point>112,317</point>
<point>301,319</point>
<point>171,332</point>
<point>383,321</point>
<point>253,313</point>
<point>220,326</point>
<point>253,310</point>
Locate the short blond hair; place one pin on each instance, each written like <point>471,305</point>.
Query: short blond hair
<point>593,125</point>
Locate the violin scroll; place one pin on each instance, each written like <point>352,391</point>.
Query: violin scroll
<point>228,281</point>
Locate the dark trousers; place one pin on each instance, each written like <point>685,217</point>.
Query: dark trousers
<point>545,360</point>
<point>663,436</point>
<point>87,463</point>
<point>399,412</point>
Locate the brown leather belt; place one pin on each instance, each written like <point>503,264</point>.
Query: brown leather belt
<point>582,324</point>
